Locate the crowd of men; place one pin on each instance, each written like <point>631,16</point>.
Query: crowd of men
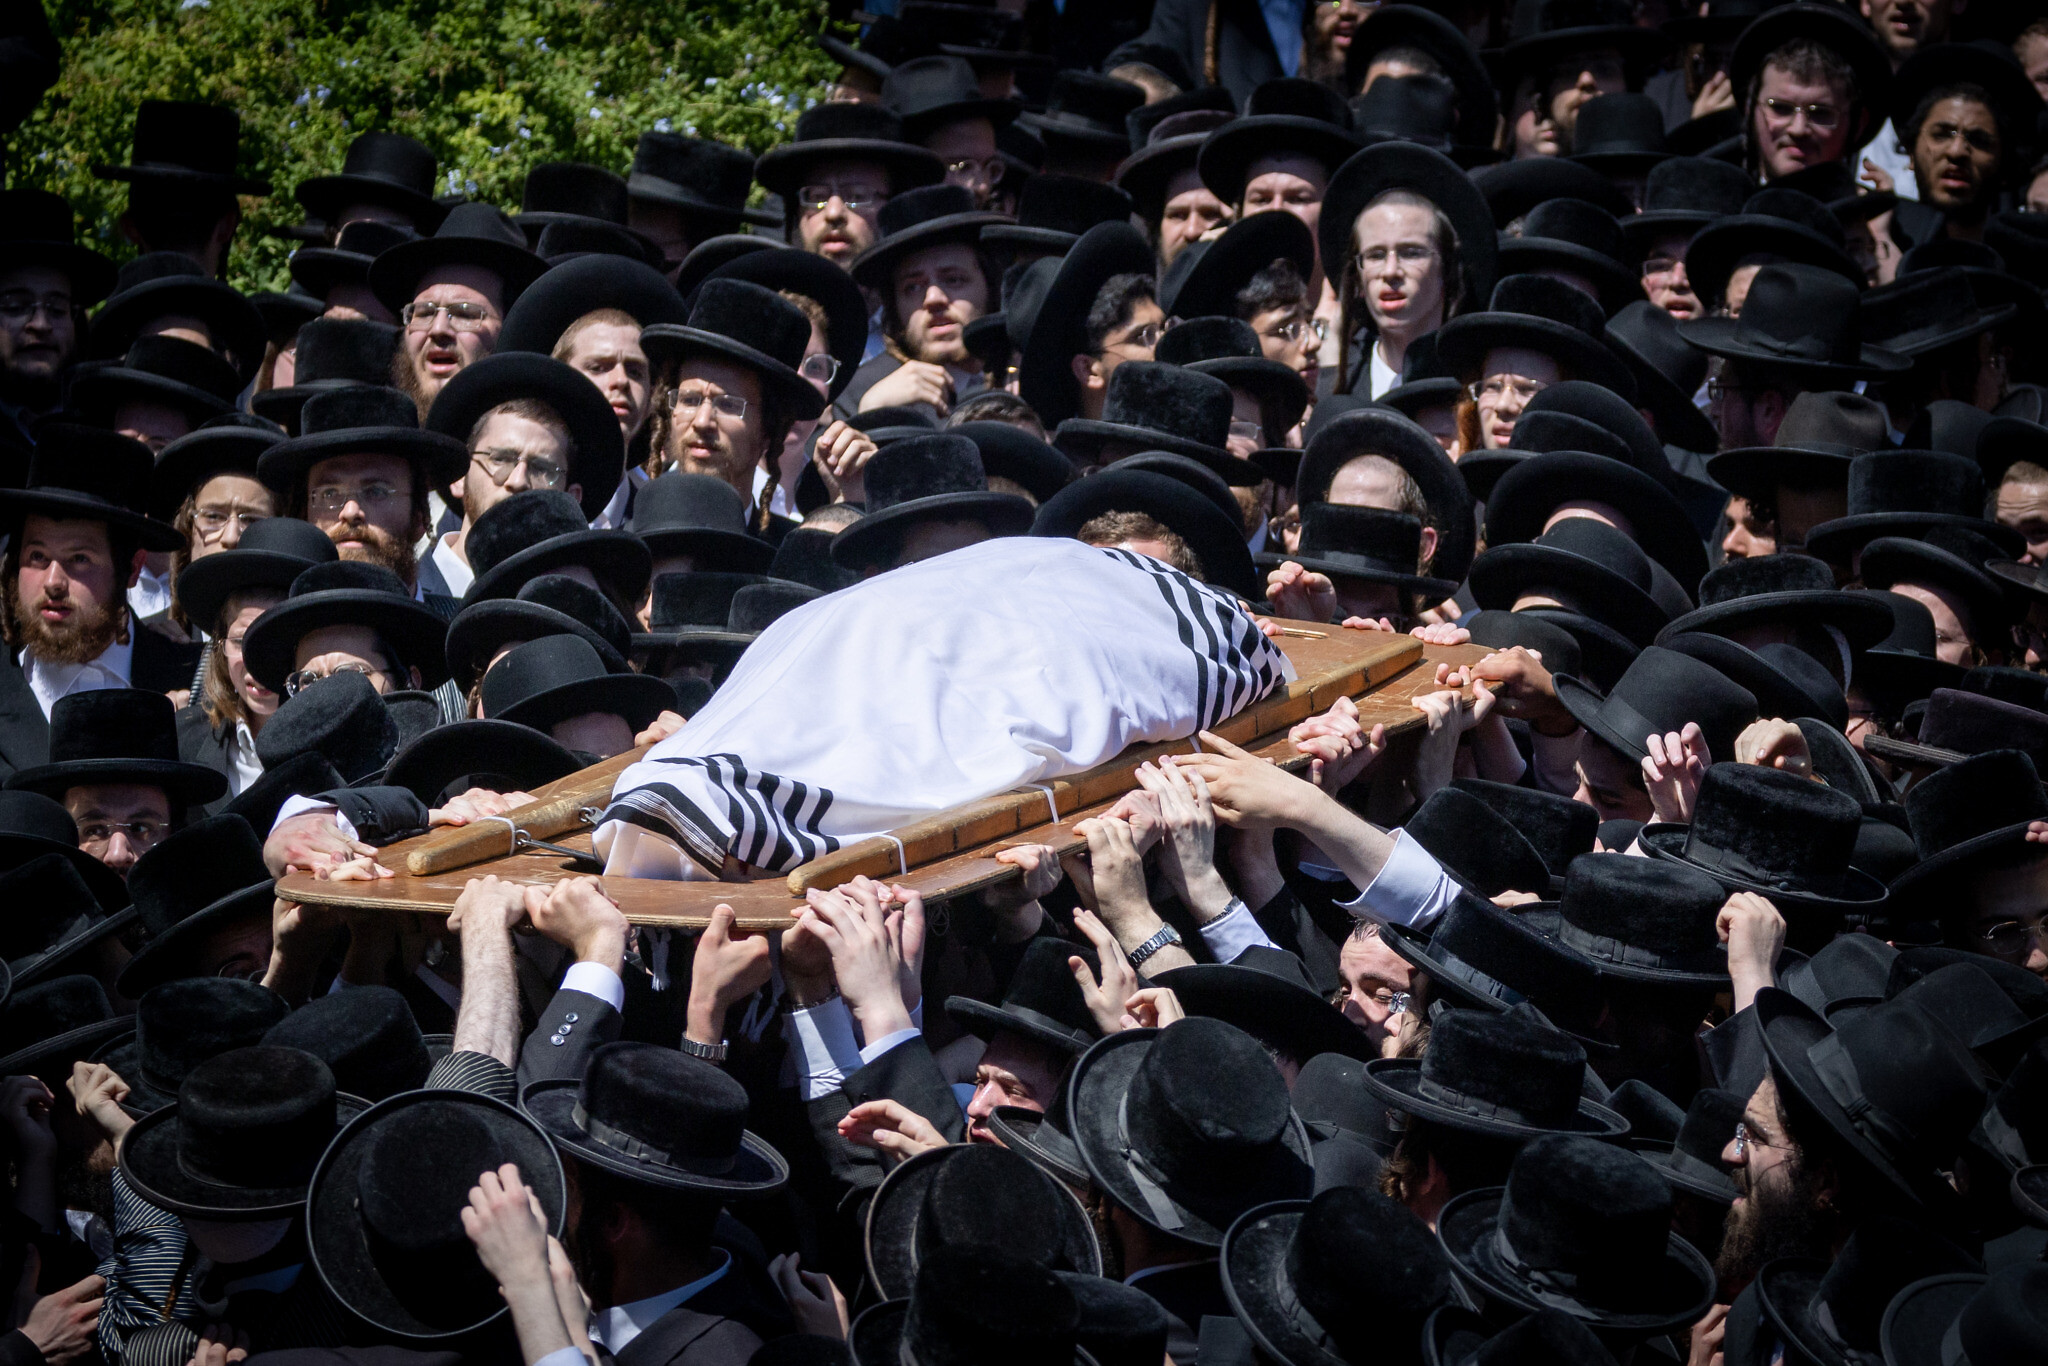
<point>1677,989</point>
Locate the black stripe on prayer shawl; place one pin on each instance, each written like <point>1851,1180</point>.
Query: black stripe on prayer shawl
<point>1235,664</point>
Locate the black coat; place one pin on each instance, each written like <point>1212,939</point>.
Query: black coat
<point>200,741</point>
<point>1244,51</point>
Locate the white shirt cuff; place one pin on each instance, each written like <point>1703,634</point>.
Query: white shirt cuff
<point>1412,888</point>
<point>301,805</point>
<point>822,1047</point>
<point>562,1356</point>
<point>884,1044</point>
<point>1231,933</point>
<point>595,979</point>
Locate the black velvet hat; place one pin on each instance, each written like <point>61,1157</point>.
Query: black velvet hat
<point>1822,433</point>
<point>1998,1320</point>
<point>785,269</point>
<point>339,719</point>
<point>747,324</point>
<point>1086,111</point>
<point>1830,1312</point>
<point>161,283</point>
<point>928,217</point>
<point>284,312</point>
<point>39,231</point>
<point>935,1204</point>
<point>839,132</point>
<point>1425,383</point>
<point>979,1307</point>
<point>1187,1127</point>
<point>193,379</point>
<point>1042,1136</point>
<point>1788,682</point>
<point>1204,279</point>
<point>708,180</point>
<point>1059,331</point>
<point>701,516</point>
<point>1588,566</point>
<point>1216,540</point>
<point>1558,828</point>
<point>499,755</point>
<point>1957,724</point>
<point>50,1025</point>
<point>345,593</point>
<point>473,234</point>
<point>320,269</point>
<point>1760,830</point>
<point>1392,27</point>
<point>1120,1325</point>
<point>1266,992</point>
<point>555,678</point>
<point>1413,108</point>
<point>1506,1075</point>
<point>2001,442</point>
<point>87,474</point>
<point>367,1037</point>
<point>179,1025</point>
<point>1571,235</point>
<point>923,479</point>
<point>693,608</point>
<point>384,1210</point>
<point>1389,166</point>
<point>1341,1278</point>
<point>1530,492</point>
<point>1923,311</point>
<point>387,169</point>
<point>1169,147</point>
<point>1543,32</point>
<point>1043,1002</point>
<point>1905,493</point>
<point>1370,545</point>
<point>542,531</point>
<point>1800,320</point>
<point>1483,958</point>
<point>1783,223</point>
<point>1229,349</point>
<point>1375,432</point>
<point>332,354</point>
<point>1582,1226</point>
<point>1183,470</point>
<point>1683,195</point>
<point>1506,630</point>
<point>569,191</point>
<point>1010,452</point>
<point>1661,691</point>
<point>571,238</point>
<point>1951,559</point>
<point>1771,589</point>
<point>548,306</point>
<point>548,605</point>
<point>358,419</point>
<point>118,735</point>
<point>1691,1160</point>
<point>1477,844</point>
<point>228,444</point>
<point>928,92</point>
<point>32,825</point>
<point>1544,315</point>
<point>55,917</point>
<point>1667,371</point>
<point>1970,1004</point>
<point>1155,407</point>
<point>598,453</point>
<point>1903,668</point>
<point>1284,116</point>
<point>196,880</point>
<point>187,146</point>
<point>657,1118</point>
<point>1512,188</point>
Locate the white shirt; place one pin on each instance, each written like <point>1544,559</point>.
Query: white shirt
<point>52,681</point>
<point>244,767</point>
<point>614,515</point>
<point>1890,156</point>
<point>1412,888</point>
<point>613,1328</point>
<point>455,570</point>
<point>150,595</point>
<point>1384,377</point>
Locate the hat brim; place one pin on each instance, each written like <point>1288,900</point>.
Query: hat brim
<point>872,541</point>
<point>60,1050</point>
<point>1279,388</point>
<point>479,632</point>
<point>207,584</point>
<point>1539,50</point>
<point>1856,890</point>
<point>1910,882</point>
<point>1030,1133</point>
<point>107,886</point>
<point>71,505</point>
<point>1686,1173</point>
<point>1863,620</point>
<point>985,1021</point>
<point>639,698</point>
<point>667,342</point>
<point>149,1163</point>
<point>1464,341</point>
<point>188,463</point>
<point>757,1168</point>
<point>1897,676</point>
<point>1222,267</point>
<point>442,459</point>
<point>185,784</point>
<point>1228,153</point>
<point>1679,422</point>
<point>1777,695</point>
<point>1397,1082</point>
<point>1585,703</point>
<point>616,557</point>
<point>1720,337</point>
<point>1839,541</point>
<point>395,274</point>
<point>230,319</point>
<point>38,967</point>
<point>1755,472</point>
<point>427,765</point>
<point>1416,949</point>
<point>158,961</point>
<point>1145,173</point>
<point>319,269</point>
<point>183,178</point>
<point>92,275</point>
<point>1537,255</point>
<point>1084,437</point>
<point>782,168</point>
<point>1917,1321</point>
<point>872,267</point>
<point>1549,922</point>
<point>324,197</point>
<point>1890,560</point>
<point>270,647</point>
<point>96,391</point>
<point>1279,1013</point>
<point>889,1238</point>
<point>714,548</point>
<point>1507,571</point>
<point>1261,1291</point>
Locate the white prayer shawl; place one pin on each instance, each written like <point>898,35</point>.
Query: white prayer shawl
<point>1012,662</point>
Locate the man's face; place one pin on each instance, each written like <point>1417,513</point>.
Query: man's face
<point>224,507</point>
<point>1952,643</point>
<point>938,291</point>
<point>2023,506</point>
<point>1798,123</point>
<point>364,504</point>
<point>68,595</point>
<point>2003,918</point>
<point>1401,275</point>
<point>1535,134</point>
<point>968,148</point>
<point>38,330</point>
<point>1773,1213</point>
<point>437,341</point>
<point>1744,417</point>
<point>1336,23</point>
<point>2032,50</point>
<point>1013,1071</point>
<point>1372,973</point>
<point>1247,424</point>
<point>240,948</point>
<point>1288,335</point>
<point>1609,782</point>
<point>345,649</point>
<point>1191,210</point>
<point>119,822</point>
<point>1581,77</point>
<point>1288,182</point>
<point>838,204</point>
<point>155,425</point>
<point>1509,377</point>
<point>609,355</point>
<point>1134,340</point>
<point>524,453</point>
<point>1752,530</point>
<point>703,440</point>
<point>1664,279</point>
<point>1956,157</point>
<point>2030,636</point>
<point>1903,27</point>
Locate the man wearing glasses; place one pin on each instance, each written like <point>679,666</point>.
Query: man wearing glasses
<point>944,111</point>
<point>836,174</point>
<point>46,283</point>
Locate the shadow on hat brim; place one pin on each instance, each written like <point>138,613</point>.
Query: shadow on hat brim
<point>1508,570</point>
<point>183,783</point>
<point>1396,1081</point>
<point>1030,1133</point>
<point>616,557</point>
<point>427,765</point>
<point>67,505</point>
<point>1279,1013</point>
<point>1862,619</point>
<point>158,961</point>
<point>1855,891</point>
<point>889,1238</point>
<point>1898,676</point>
<point>872,541</point>
<point>757,1169</point>
<point>149,1163</point>
<point>985,1021</point>
<point>479,632</point>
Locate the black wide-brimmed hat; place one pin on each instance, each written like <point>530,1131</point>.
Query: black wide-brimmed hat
<point>56,916</point>
<point>541,531</point>
<point>332,353</point>
<point>1216,540</point>
<point>1541,314</point>
<point>569,192</point>
<point>231,443</point>
<point>928,92</point>
<point>39,231</point>
<point>1542,32</point>
<point>1390,166</point>
<point>701,516</point>
<point>1585,1227</point>
<point>387,169</point>
<point>693,609</point>
<point>1995,1320</point>
<point>1286,116</point>
<point>598,451</point>
<point>1575,237</point>
<point>1588,566</point>
<point>1170,147</point>
<point>1988,65</point>
<point>1374,432</point>
<point>1009,452</point>
<point>1803,321</point>
<point>1961,721</point>
<point>1905,493</point>
<point>1661,691</point>
<point>785,269</point>
<point>1477,845</point>
<point>320,269</point>
<point>51,1025</point>
<point>1042,1136</point>
<point>1947,558</point>
<point>1667,372</point>
<point>179,1025</point>
<point>1412,26</point>
<point>1761,830</point>
<point>707,180</point>
<point>980,1307</point>
<point>1789,683</point>
<point>473,234</point>
<point>1558,828</point>
<point>1156,407</point>
<point>1187,1127</point>
<point>184,145</point>
<point>80,473</point>
<point>361,419</point>
<point>1043,1002</point>
<point>1530,491</point>
<point>1229,349</point>
<point>1691,1159</point>
<point>511,756</point>
<point>284,312</point>
<point>1778,589</point>
<point>271,554</point>
<point>1843,33</point>
<point>1086,111</point>
<point>32,825</point>
<point>162,283</point>
<point>1973,808</point>
<point>345,593</point>
<point>1620,134</point>
<point>1903,667</point>
<point>1925,310</point>
<point>555,678</point>
<point>1456,1336</point>
<point>1059,332</point>
<point>1970,1004</point>
<point>1641,921</point>
<point>384,1209</point>
<point>1333,1280</point>
<point>340,720</point>
<point>930,216</point>
<point>169,371</point>
<point>922,479</point>
<point>1266,992</point>
<point>1506,1075</point>
<point>368,1038</point>
<point>588,284</point>
<point>1483,958</point>
<point>657,1118</point>
<point>1204,280</point>
<point>1822,432</point>
<point>941,1200</point>
<point>1512,188</point>
<point>748,325</point>
<point>1795,228</point>
<point>1683,195</point>
<point>838,132</point>
<point>118,735</point>
<point>201,877</point>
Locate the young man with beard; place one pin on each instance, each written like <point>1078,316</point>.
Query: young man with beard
<point>46,283</point>
<point>72,554</point>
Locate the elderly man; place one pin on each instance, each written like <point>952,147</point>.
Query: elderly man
<point>46,283</point>
<point>450,293</point>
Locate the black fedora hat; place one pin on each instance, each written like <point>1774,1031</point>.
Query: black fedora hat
<point>118,735</point>
<point>1585,1227</point>
<point>345,593</point>
<point>179,1025</point>
<point>597,449</point>
<point>1667,372</point>
<point>568,291</point>
<point>1558,828</point>
<point>1638,920</point>
<point>1370,545</point>
<point>30,826</point>
<point>1507,1075</point>
<point>1905,493</point>
<point>938,1202</point>
<point>1772,589</point>
<point>39,231</point>
<point>693,608</point>
<point>1204,280</point>
<point>1947,558</point>
<point>320,269</point>
<point>1482,958</point>
<point>1529,492</point>
<point>1972,1005</point>
<point>368,1038</point>
<point>56,916</point>
<point>48,1026</point>
<point>1086,111</point>
<point>271,554</point>
<point>1957,724</point>
<point>839,132</point>
<point>657,1118</point>
<point>1512,188</point>
<point>388,169</point>
<point>541,531</point>
<point>928,92</point>
<point>1844,34</point>
<point>1425,383</point>
<point>571,238</point>
<point>1795,228</point>
<point>1761,830</point>
<point>1288,115</point>
<point>1682,195</point>
<point>473,234</point>
<point>929,216</point>
<point>1059,331</point>
<point>1156,407</point>
<point>1588,566</point>
<point>749,325</point>
<point>1187,1127</point>
<point>1987,64</point>
<point>243,1138</point>
<point>1542,32</point>
<point>1661,691</point>
<point>707,180</point>
<point>1889,1089</point>
<point>285,312</point>
<point>1043,1002</point>
<point>700,516</point>
<point>1832,183</point>
<point>231,443</point>
<point>1789,683</point>
<point>1341,1278</point>
<point>332,354</point>
<point>184,145</point>
<point>169,371</point>
<point>340,720</point>
<point>979,1307</point>
<point>1970,1319</point>
<point>358,419</point>
<point>1830,1312</point>
<point>925,478</point>
<point>554,678</point>
<point>1604,653</point>
<point>1216,540</point>
<point>1266,992</point>
<point>1043,1137</point>
<point>1195,475</point>
<point>1009,452</point>
<point>512,756</point>
<point>1541,314</point>
<point>1169,148</point>
<point>1575,237</point>
<point>1120,1325</point>
<point>1925,310</point>
<point>1691,1159</point>
<point>1903,667</point>
<point>80,473</point>
<point>2001,441</point>
<point>819,280</point>
<point>1392,27</point>
<point>161,283</point>
<point>559,191</point>
<point>201,877</point>
<point>1822,432</point>
<point>1194,96</point>
<point>1477,844</point>
<point>1364,432</point>
<point>1229,349</point>
<point>383,1210</point>
<point>1802,320</point>
<point>754,608</point>
<point>1557,646</point>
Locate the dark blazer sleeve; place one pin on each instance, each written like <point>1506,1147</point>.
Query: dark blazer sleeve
<point>684,1337</point>
<point>201,742</point>
<point>381,815</point>
<point>24,730</point>
<point>908,1075</point>
<point>17,1350</point>
<point>570,1030</point>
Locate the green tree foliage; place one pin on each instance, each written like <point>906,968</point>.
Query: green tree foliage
<point>492,86</point>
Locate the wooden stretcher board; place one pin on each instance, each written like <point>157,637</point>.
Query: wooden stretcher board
<point>949,853</point>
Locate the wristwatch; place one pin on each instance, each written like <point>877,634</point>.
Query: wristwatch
<point>710,1052</point>
<point>1167,935</point>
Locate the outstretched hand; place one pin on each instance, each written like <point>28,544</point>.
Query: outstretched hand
<point>1672,772</point>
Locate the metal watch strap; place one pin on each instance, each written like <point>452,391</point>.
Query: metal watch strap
<point>1167,935</point>
<point>710,1052</point>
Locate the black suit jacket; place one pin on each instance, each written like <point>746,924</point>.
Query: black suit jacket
<point>1244,51</point>
<point>685,1337</point>
<point>570,1030</point>
<point>1187,1294</point>
<point>202,742</point>
<point>157,664</point>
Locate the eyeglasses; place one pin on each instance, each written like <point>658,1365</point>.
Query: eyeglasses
<point>1293,332</point>
<point>140,833</point>
<point>298,682</point>
<point>540,474</point>
<point>1821,117</point>
<point>212,523</point>
<point>1718,389</point>
<point>691,400</point>
<point>19,308</point>
<point>1496,388</point>
<point>1655,267</point>
<point>1414,254</point>
<point>328,502</point>
<point>818,198</point>
<point>1248,431</point>
<point>1142,339</point>
<point>1741,1141</point>
<point>820,369</point>
<point>989,172</point>
<point>2010,939</point>
<point>422,316</point>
